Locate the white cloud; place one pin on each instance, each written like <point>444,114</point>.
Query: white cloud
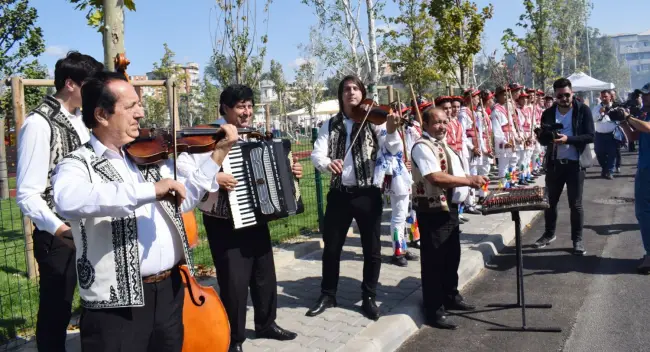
<point>56,50</point>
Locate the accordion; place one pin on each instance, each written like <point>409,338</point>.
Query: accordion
<point>266,188</point>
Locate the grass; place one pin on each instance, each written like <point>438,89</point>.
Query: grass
<point>19,295</point>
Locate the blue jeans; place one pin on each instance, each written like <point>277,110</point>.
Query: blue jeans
<point>642,205</point>
<point>605,146</point>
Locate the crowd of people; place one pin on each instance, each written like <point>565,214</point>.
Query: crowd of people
<point>111,227</point>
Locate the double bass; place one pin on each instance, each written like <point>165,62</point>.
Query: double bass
<point>206,326</point>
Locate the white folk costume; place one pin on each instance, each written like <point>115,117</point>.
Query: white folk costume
<point>122,233</point>
<point>527,125</point>
<point>504,133</point>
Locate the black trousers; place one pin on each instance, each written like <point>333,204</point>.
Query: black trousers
<point>439,260</point>
<point>156,327</point>
<point>364,206</point>
<point>57,282</point>
<point>557,176</point>
<point>243,259</point>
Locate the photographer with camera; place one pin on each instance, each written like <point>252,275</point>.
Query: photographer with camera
<point>641,123</point>
<point>567,128</point>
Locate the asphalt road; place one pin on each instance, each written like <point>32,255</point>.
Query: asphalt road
<point>599,301</point>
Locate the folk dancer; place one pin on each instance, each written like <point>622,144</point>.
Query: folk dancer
<point>538,151</point>
<point>243,258</point>
<point>440,185</point>
<point>477,127</point>
<point>352,194</point>
<point>124,221</point>
<point>456,135</point>
<point>505,136</point>
<point>515,91</point>
<point>49,133</point>
<point>393,176</point>
<point>526,120</point>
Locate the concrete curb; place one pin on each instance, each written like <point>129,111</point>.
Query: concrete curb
<point>285,256</point>
<point>392,330</point>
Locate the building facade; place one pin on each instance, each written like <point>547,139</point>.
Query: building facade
<point>634,51</point>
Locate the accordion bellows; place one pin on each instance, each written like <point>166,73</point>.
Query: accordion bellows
<point>266,187</point>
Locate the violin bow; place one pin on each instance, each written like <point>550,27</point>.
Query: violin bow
<point>347,152</point>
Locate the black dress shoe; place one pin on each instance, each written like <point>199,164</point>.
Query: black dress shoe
<point>235,347</point>
<point>411,256</point>
<point>274,332</point>
<point>443,323</point>
<point>415,244</point>
<point>324,302</point>
<point>399,260</point>
<point>370,309</point>
<point>461,305</point>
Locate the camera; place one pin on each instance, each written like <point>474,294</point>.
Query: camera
<point>548,132</point>
<point>617,113</point>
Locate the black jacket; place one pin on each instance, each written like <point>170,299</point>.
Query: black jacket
<point>582,124</point>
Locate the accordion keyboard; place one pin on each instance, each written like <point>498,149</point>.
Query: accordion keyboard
<point>242,206</point>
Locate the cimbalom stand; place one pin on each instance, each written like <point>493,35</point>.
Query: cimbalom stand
<point>514,201</point>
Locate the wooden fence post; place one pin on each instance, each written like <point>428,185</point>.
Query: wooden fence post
<point>18,101</point>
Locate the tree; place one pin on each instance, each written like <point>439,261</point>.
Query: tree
<point>33,95</point>
<point>605,66</point>
<point>308,88</point>
<point>233,60</point>
<point>156,112</point>
<point>458,38</point>
<point>167,67</point>
<point>20,38</point>
<point>209,102</point>
<point>568,23</point>
<point>409,48</point>
<point>276,75</point>
<point>340,19</point>
<point>538,42</point>
<point>108,17</point>
<point>372,52</point>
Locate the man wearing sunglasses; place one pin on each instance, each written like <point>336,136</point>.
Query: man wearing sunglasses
<point>563,161</point>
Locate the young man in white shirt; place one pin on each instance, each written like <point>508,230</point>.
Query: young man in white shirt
<point>127,226</point>
<point>352,194</point>
<point>51,131</point>
<point>440,184</point>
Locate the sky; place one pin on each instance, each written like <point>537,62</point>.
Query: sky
<point>188,27</point>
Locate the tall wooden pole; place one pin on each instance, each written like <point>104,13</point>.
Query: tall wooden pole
<point>267,117</point>
<point>18,101</point>
<point>113,33</point>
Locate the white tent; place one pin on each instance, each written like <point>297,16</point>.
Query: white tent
<point>327,107</point>
<point>582,82</point>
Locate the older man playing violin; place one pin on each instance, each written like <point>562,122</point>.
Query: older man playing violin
<point>123,216</point>
<point>347,148</point>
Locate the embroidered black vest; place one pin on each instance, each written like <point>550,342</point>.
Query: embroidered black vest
<point>363,153</point>
<point>63,140</point>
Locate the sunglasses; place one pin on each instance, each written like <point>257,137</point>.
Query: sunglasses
<point>565,95</point>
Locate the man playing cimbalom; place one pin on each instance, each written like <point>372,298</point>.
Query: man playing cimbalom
<point>440,184</point>
<point>563,164</point>
<point>50,132</point>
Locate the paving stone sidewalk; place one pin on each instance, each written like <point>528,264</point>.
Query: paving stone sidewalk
<point>344,328</point>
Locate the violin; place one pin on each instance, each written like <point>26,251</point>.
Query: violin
<point>154,145</point>
<point>376,114</point>
<point>205,321</point>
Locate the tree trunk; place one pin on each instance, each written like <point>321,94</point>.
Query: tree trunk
<point>562,63</point>
<point>113,33</point>
<point>374,61</point>
<point>352,38</point>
